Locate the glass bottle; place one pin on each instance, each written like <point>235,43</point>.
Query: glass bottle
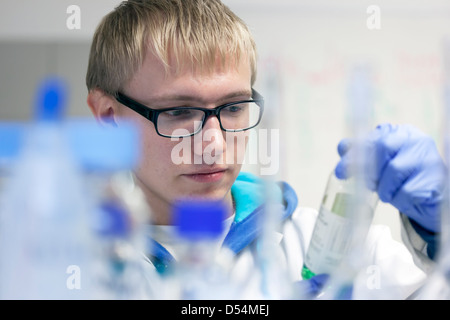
<point>336,226</point>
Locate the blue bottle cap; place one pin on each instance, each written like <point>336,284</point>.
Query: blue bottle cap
<point>51,100</point>
<point>49,105</point>
<point>113,220</point>
<point>197,219</point>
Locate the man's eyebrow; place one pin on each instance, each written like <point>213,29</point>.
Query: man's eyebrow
<point>194,98</point>
<point>237,94</point>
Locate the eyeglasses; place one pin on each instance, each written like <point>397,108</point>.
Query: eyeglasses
<point>180,122</point>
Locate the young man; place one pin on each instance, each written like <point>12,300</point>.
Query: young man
<point>183,69</point>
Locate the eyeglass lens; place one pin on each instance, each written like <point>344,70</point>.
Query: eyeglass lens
<point>179,122</point>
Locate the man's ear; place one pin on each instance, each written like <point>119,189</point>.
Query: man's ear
<point>103,106</point>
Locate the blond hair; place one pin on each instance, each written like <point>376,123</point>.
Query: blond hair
<point>196,33</point>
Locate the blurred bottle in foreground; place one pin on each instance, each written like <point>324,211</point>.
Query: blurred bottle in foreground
<point>201,269</point>
<point>55,218</point>
<point>437,286</point>
<point>44,228</point>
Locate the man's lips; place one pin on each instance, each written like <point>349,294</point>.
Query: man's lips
<point>207,175</point>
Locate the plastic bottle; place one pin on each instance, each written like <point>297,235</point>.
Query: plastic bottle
<point>44,229</point>
<point>332,235</point>
<point>198,272</point>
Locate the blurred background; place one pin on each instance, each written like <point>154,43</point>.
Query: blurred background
<point>306,52</point>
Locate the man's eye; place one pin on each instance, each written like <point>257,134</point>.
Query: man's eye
<point>178,112</point>
<point>234,110</point>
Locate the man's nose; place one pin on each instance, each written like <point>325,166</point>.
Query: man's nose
<point>209,143</point>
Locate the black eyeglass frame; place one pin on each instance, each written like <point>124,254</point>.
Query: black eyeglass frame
<point>152,114</point>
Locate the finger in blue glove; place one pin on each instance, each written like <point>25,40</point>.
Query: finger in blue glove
<point>406,170</point>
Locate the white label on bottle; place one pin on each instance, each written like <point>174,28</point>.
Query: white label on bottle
<point>329,242</point>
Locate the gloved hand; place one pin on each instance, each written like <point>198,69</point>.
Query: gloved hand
<point>408,171</point>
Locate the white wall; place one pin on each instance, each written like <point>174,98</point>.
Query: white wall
<point>46,20</point>
<point>311,45</point>
<point>315,44</point>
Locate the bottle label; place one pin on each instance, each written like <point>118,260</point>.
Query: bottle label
<point>330,241</point>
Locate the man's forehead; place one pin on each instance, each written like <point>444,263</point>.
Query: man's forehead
<point>176,81</point>
<point>179,62</point>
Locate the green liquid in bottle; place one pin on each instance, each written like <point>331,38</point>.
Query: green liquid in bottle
<point>306,273</point>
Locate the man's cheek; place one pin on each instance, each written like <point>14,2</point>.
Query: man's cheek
<point>180,151</point>
<point>236,148</point>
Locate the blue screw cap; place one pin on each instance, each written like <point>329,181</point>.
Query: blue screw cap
<point>199,219</point>
<point>51,100</point>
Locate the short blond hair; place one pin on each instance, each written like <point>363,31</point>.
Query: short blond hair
<point>194,32</point>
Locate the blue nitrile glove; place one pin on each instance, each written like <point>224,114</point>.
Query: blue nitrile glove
<point>311,288</point>
<point>408,171</point>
